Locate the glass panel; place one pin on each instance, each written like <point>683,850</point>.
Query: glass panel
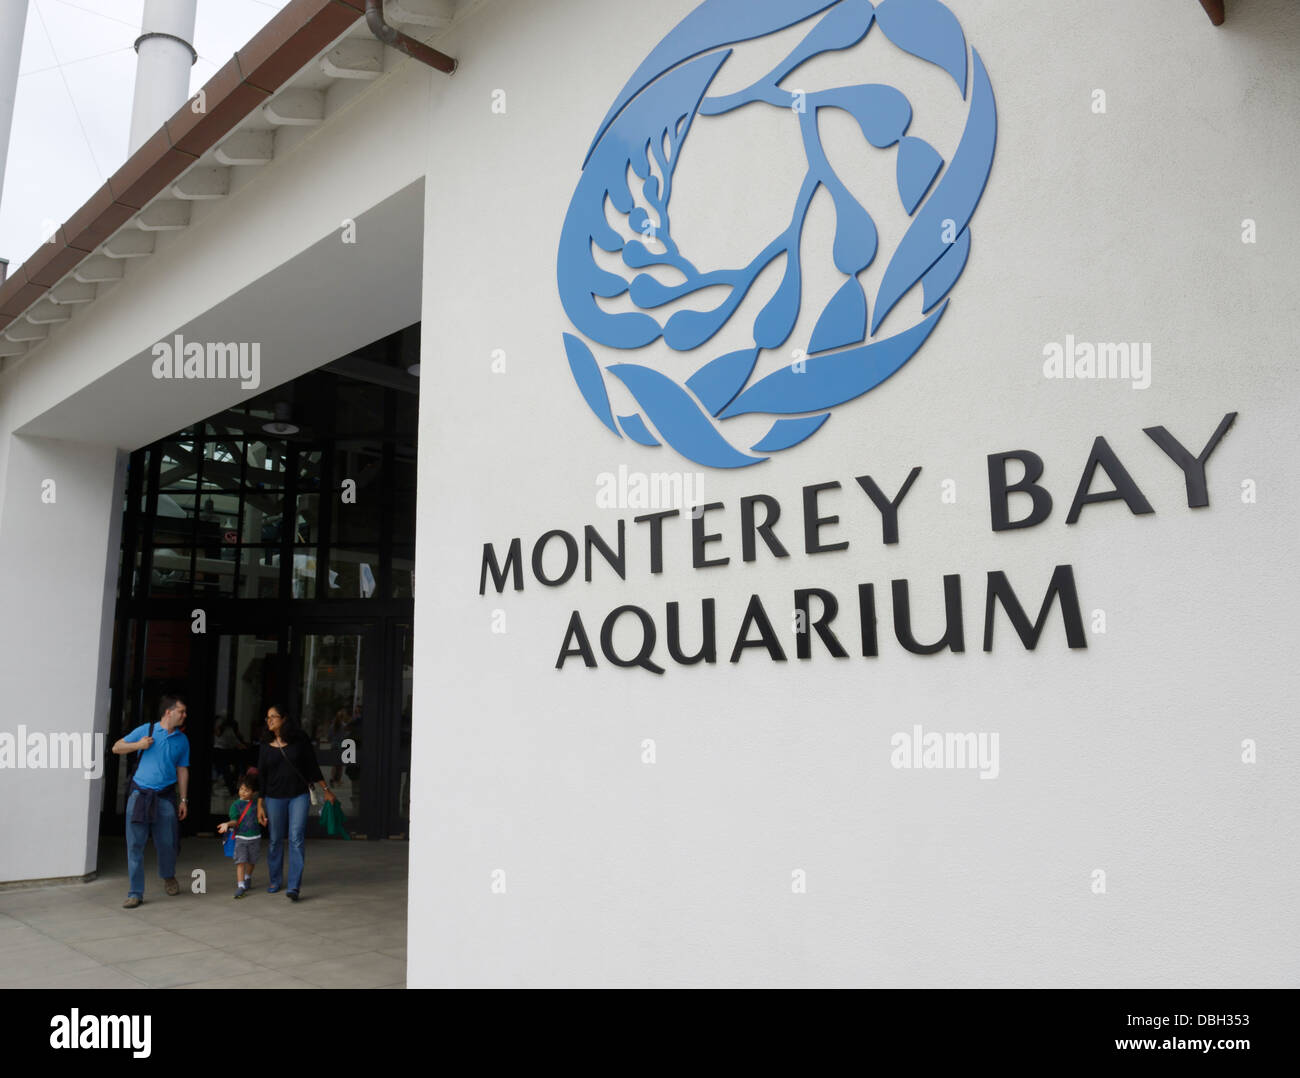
<point>263,516</point>
<point>221,465</point>
<point>127,639</point>
<point>331,690</point>
<point>353,574</point>
<point>268,463</point>
<point>404,473</point>
<point>408,414</point>
<point>214,572</point>
<point>304,572</point>
<point>307,526</point>
<point>166,670</point>
<point>174,520</point>
<point>358,521</point>
<point>403,572</point>
<point>218,522</point>
<point>360,409</point>
<point>401,805</point>
<point>171,571</point>
<point>259,572</point>
<point>309,469</point>
<point>246,683</point>
<point>179,464</point>
<point>404,517</point>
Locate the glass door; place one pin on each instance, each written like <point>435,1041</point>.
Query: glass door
<point>336,699</point>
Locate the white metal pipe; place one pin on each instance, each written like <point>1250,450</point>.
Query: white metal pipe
<point>13,21</point>
<point>165,52</point>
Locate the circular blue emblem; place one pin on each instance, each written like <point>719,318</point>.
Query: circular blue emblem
<point>628,176</point>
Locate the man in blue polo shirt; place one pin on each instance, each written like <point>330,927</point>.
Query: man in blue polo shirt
<point>163,773</point>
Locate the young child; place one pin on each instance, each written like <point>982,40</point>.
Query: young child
<point>248,832</point>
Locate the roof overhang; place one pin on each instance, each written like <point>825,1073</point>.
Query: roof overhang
<point>276,83</point>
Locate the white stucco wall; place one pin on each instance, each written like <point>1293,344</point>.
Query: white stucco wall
<point>1124,757</point>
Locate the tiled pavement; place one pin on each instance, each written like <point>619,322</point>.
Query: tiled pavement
<point>348,930</point>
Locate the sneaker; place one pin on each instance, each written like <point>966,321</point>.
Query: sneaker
<point>240,892</point>
<point>293,896</point>
<point>171,886</point>
<point>273,889</point>
<point>131,902</point>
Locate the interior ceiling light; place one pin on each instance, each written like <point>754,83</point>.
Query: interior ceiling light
<point>282,424</point>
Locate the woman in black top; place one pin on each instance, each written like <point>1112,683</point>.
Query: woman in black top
<point>286,764</point>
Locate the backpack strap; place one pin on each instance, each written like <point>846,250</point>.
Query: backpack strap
<point>135,763</point>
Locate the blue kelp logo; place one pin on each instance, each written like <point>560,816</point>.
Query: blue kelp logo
<point>645,132</point>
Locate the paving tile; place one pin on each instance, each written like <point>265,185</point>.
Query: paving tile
<point>17,967</point>
<point>260,979</point>
<point>112,952</point>
<point>353,971</point>
<point>170,971</point>
<point>285,952</point>
<point>101,977</point>
<point>105,926</point>
<point>58,922</point>
<point>15,940</point>
<point>225,933</point>
<point>376,940</point>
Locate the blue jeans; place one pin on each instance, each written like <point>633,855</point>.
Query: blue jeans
<point>166,839</point>
<point>287,815</point>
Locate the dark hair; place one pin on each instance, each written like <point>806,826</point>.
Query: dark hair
<point>249,778</point>
<point>167,703</point>
<point>289,728</point>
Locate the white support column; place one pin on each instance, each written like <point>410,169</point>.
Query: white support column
<point>13,21</point>
<point>60,525</point>
<point>162,71</point>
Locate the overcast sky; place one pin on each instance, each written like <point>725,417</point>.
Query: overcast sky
<point>73,111</point>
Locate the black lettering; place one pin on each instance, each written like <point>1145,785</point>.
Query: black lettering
<point>699,540</point>
<point>1062,583</point>
<point>1125,488</point>
<point>954,634</point>
<point>513,565</point>
<point>812,523</point>
<point>1198,495</point>
<point>570,558</point>
<point>748,529</point>
<point>999,489</point>
<point>581,646</point>
<point>648,637</point>
<point>830,607</point>
<point>618,562</point>
<point>888,509</point>
<point>756,615</point>
<point>656,522</point>
<point>708,648</point>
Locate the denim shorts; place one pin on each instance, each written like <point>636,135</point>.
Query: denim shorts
<point>247,850</point>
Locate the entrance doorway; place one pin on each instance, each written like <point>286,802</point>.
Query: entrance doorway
<point>268,559</point>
